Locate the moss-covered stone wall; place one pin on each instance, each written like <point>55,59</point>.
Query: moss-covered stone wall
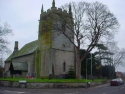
<point>45,43</point>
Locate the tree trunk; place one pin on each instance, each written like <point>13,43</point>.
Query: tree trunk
<point>78,64</point>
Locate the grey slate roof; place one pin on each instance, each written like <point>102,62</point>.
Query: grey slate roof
<point>26,49</point>
<point>23,66</point>
<point>9,58</point>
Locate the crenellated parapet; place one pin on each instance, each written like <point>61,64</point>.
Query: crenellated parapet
<point>54,17</point>
<point>53,11</point>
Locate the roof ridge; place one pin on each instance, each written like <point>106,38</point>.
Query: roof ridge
<point>26,49</point>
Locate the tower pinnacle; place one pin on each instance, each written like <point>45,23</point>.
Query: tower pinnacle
<point>70,10</point>
<point>42,9</point>
<point>53,3</point>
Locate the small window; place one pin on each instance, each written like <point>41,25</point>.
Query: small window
<point>64,66</point>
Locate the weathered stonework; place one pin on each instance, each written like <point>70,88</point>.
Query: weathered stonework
<point>48,85</point>
<point>54,47</point>
<point>51,54</point>
<point>29,59</point>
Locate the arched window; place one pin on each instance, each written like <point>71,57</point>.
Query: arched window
<point>64,66</point>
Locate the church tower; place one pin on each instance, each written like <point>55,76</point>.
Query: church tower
<point>55,51</point>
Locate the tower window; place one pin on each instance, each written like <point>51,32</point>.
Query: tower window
<point>64,66</point>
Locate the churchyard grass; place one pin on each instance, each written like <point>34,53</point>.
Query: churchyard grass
<point>52,80</point>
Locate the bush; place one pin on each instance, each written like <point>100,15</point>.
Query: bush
<point>71,73</point>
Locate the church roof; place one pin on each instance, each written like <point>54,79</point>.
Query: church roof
<point>9,58</point>
<point>20,66</point>
<point>25,50</point>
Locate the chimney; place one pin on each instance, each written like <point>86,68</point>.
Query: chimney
<point>16,47</point>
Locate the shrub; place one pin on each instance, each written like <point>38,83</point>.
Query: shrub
<point>71,73</point>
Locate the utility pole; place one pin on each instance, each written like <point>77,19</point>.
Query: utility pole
<point>86,72</point>
<point>91,68</point>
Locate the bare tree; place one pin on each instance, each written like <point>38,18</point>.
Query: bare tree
<point>118,55</point>
<point>88,23</point>
<point>1,61</point>
<point>113,56</point>
<point>119,58</point>
<point>5,31</point>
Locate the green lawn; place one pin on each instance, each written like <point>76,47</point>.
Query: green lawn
<point>52,80</point>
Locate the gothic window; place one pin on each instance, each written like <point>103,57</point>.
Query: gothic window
<point>64,66</point>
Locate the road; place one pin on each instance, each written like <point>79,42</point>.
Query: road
<point>102,89</point>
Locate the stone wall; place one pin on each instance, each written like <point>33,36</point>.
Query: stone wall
<point>7,65</point>
<point>47,85</point>
<point>60,58</point>
<point>29,59</point>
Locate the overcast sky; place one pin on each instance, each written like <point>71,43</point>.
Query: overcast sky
<point>23,16</point>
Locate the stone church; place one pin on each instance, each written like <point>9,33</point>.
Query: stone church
<point>51,54</point>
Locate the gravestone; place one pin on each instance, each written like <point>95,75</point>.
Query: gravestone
<point>8,74</point>
<point>5,75</point>
<point>17,75</point>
